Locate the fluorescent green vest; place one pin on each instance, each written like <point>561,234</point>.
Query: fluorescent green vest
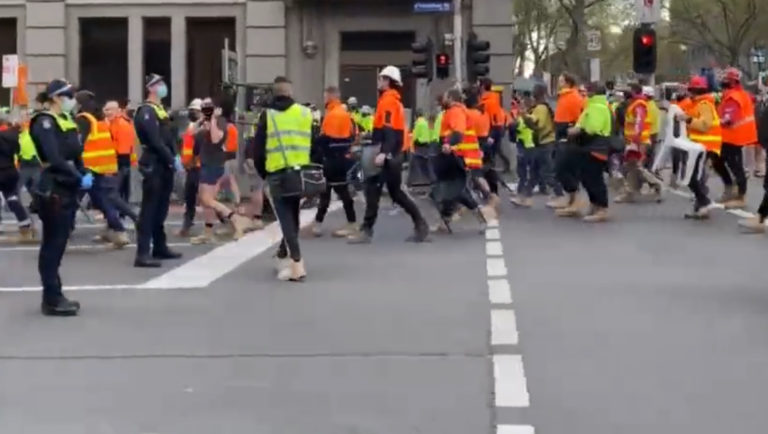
<point>27,151</point>
<point>159,110</point>
<point>289,138</point>
<point>524,134</point>
<point>436,127</point>
<point>421,132</point>
<point>366,123</point>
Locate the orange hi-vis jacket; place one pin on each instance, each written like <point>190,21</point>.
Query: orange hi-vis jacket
<point>705,126</point>
<point>630,120</point>
<point>481,122</point>
<point>457,120</point>
<point>232,140</point>
<point>124,136</point>
<point>491,104</point>
<point>389,127</point>
<point>188,147</point>
<point>99,153</point>
<point>743,131</point>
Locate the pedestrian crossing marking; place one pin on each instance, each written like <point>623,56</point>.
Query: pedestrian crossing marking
<point>515,429</point>
<point>499,291</point>
<point>511,388</point>
<point>504,327</point>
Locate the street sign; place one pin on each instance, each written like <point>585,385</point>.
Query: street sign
<point>431,7</point>
<point>594,69</point>
<point>648,11</point>
<point>10,70</point>
<point>594,40</point>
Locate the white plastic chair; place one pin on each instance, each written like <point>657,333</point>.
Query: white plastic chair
<point>683,143</point>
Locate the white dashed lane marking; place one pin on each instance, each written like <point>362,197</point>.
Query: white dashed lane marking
<point>510,382</point>
<point>499,292</point>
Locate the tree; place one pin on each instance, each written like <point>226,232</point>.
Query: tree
<point>725,28</point>
<point>537,21</point>
<point>575,56</point>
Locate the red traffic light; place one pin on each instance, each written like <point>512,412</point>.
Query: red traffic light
<point>442,59</point>
<point>646,40</point>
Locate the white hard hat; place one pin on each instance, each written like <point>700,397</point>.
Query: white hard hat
<point>352,100</point>
<point>196,104</point>
<point>366,110</point>
<point>648,91</point>
<point>392,72</point>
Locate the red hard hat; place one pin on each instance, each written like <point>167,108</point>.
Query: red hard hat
<point>732,74</point>
<point>698,82</point>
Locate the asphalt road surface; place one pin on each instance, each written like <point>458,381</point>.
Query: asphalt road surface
<point>647,324</point>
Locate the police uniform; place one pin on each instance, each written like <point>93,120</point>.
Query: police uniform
<point>58,146</point>
<point>157,164</point>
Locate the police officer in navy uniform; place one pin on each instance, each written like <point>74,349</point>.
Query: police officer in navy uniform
<point>56,140</point>
<point>157,164</point>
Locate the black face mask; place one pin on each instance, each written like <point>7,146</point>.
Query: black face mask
<point>725,85</point>
<point>193,116</point>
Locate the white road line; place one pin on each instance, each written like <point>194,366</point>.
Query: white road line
<point>493,248</point>
<point>492,234</point>
<point>510,384</point>
<point>204,270</point>
<point>499,291</point>
<point>105,247</point>
<point>515,429</point>
<point>504,327</point>
<point>496,267</point>
<point>72,288</point>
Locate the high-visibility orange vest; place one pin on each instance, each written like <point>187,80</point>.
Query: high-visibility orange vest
<point>469,148</point>
<point>744,131</point>
<point>124,136</point>
<point>629,122</point>
<point>99,153</point>
<point>188,147</point>
<point>712,139</point>
<point>232,139</point>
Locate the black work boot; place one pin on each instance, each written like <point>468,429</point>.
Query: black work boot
<point>146,262</point>
<point>420,233</point>
<point>165,253</point>
<point>60,307</point>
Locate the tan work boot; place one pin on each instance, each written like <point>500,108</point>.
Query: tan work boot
<point>494,201</point>
<point>489,213</point>
<point>184,232</point>
<point>523,202</point>
<point>597,215</point>
<point>346,231</point>
<point>282,263</point>
<point>205,238</point>
<point>316,229</point>
<point>699,214</point>
<point>729,192</point>
<point>27,235</point>
<point>559,202</point>
<point>256,225</point>
<point>239,225</point>
<point>625,197</point>
<point>752,225</point>
<point>119,239</point>
<point>294,272</point>
<point>737,202</point>
<point>224,230</point>
<point>102,237</point>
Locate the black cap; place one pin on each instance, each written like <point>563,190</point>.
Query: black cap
<point>60,87</point>
<point>152,79</point>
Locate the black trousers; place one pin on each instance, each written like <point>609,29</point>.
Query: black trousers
<point>762,211</point>
<point>391,175</point>
<point>57,214</point>
<point>342,191</point>
<point>733,157</point>
<point>591,173</point>
<point>9,188</point>
<point>568,161</point>
<point>124,177</point>
<point>191,187</point>
<point>156,187</point>
<point>698,184</point>
<point>287,209</point>
<point>489,164</point>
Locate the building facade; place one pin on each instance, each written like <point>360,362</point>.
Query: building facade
<point>108,46</point>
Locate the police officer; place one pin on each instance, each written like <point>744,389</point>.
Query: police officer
<point>157,164</point>
<point>56,140</point>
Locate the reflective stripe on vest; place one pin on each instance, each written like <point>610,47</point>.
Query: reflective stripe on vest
<point>159,110</point>
<point>629,123</point>
<point>712,139</point>
<point>99,153</point>
<point>289,138</point>
<point>469,150</point>
<point>27,151</point>
<point>744,131</point>
<point>188,147</point>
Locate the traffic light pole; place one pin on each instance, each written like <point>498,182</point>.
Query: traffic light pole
<point>458,40</point>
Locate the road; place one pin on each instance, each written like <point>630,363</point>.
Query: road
<point>649,323</point>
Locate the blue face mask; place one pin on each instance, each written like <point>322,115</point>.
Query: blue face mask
<point>67,104</point>
<point>162,90</point>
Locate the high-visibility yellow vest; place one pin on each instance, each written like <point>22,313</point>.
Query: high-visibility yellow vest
<point>159,110</point>
<point>629,122</point>
<point>438,125</point>
<point>289,138</point>
<point>27,151</point>
<point>99,153</point>
<point>713,138</point>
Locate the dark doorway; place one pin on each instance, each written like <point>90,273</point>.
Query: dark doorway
<point>205,40</point>
<point>157,49</point>
<point>104,57</point>
<point>7,46</point>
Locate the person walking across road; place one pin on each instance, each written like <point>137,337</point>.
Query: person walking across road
<point>389,134</point>
<point>157,164</point>
<point>337,134</point>
<point>282,143</point>
<point>570,104</point>
<point>9,180</point>
<point>57,144</point>
<point>124,138</point>
<point>191,166</point>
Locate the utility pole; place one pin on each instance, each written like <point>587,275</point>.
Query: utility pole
<point>458,40</point>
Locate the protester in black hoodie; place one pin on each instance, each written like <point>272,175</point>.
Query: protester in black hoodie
<point>9,179</point>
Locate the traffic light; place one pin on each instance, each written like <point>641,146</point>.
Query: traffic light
<point>477,58</point>
<point>423,65</point>
<point>644,50</point>
<point>442,65</point>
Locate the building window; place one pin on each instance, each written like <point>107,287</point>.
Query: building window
<point>104,57</point>
<point>7,46</point>
<point>205,41</point>
<point>157,48</point>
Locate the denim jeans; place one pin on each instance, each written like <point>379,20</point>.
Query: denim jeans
<point>537,169</point>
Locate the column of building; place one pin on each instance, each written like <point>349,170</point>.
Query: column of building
<point>265,47</point>
<point>45,40</point>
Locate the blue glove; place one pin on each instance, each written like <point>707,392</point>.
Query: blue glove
<point>86,182</point>
<point>177,164</point>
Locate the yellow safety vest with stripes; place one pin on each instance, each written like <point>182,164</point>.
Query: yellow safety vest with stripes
<point>289,138</point>
<point>712,139</point>
<point>99,153</point>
